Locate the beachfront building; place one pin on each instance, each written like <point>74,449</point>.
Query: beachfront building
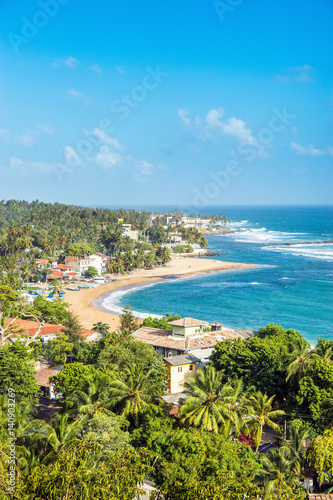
<point>81,265</point>
<point>178,368</point>
<point>23,328</point>
<point>188,335</point>
<point>194,222</point>
<point>126,230</point>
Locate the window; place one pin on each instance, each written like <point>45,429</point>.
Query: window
<point>190,368</point>
<point>180,368</point>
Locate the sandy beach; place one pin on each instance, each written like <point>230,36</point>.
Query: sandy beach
<point>81,302</point>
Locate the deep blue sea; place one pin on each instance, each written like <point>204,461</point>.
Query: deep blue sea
<point>293,288</point>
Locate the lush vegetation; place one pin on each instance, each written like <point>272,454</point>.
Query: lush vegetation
<point>113,429</point>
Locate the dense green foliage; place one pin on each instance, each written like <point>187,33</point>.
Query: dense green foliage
<point>17,371</point>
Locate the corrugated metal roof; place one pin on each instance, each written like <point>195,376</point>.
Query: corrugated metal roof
<point>182,359</point>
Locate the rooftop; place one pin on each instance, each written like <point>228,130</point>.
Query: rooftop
<point>43,376</point>
<point>164,338</point>
<point>181,359</point>
<point>187,322</point>
<point>26,327</point>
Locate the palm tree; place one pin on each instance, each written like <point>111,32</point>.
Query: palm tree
<point>131,397</point>
<point>238,408</point>
<point>324,350</point>
<point>277,474</point>
<point>261,414</point>
<point>57,287</point>
<point>91,399</point>
<point>301,359</point>
<point>164,254</point>
<point>58,433</point>
<point>294,447</point>
<point>26,273</point>
<point>205,403</point>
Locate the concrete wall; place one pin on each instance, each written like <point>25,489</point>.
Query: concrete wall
<point>177,376</point>
<point>189,330</point>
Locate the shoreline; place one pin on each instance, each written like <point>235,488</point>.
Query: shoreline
<point>87,304</point>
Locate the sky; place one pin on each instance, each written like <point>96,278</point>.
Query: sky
<point>191,103</point>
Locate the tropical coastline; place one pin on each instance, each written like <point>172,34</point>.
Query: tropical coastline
<point>87,304</point>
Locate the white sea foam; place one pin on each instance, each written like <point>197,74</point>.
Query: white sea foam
<point>114,302</point>
<point>319,251</point>
<point>260,235</point>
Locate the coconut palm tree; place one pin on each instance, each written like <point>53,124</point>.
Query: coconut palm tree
<point>324,350</point>
<point>205,405</point>
<point>237,401</point>
<point>164,254</point>
<point>301,359</point>
<point>57,287</point>
<point>132,396</point>
<point>57,434</point>
<point>26,273</point>
<point>261,413</point>
<point>294,447</point>
<point>277,474</point>
<point>91,399</point>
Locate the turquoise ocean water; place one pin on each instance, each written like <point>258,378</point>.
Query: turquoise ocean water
<point>296,293</point>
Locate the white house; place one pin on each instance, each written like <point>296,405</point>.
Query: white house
<point>100,262</point>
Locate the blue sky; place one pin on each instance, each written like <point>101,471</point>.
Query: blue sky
<point>192,102</point>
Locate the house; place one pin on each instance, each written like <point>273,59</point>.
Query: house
<point>41,262</point>
<point>126,229</point>
<point>91,336</point>
<point>80,265</point>
<point>178,367</point>
<point>187,336</point>
<point>25,328</point>
<point>55,275</point>
<point>64,268</point>
<point>100,262</point>
<point>43,380</point>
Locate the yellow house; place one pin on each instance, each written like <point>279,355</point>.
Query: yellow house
<point>177,369</point>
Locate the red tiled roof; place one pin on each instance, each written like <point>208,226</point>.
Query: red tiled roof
<point>57,274</point>
<point>164,338</point>
<point>43,376</point>
<point>174,410</point>
<point>87,333</point>
<point>41,261</point>
<point>26,327</point>
<point>187,322</point>
<point>72,274</point>
<point>63,266</point>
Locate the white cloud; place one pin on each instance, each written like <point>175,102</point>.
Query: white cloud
<point>25,140</point>
<point>71,156</point>
<point>182,113</point>
<point>76,95</point>
<point>296,74</point>
<point>310,150</point>
<point>29,138</point>
<point>25,168</point>
<point>143,171</point>
<point>69,62</point>
<point>120,70</point>
<point>104,138</point>
<point>106,158</point>
<point>233,126</point>
<point>212,124</point>
<point>95,67</point>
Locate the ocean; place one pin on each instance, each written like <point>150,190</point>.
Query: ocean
<point>292,287</point>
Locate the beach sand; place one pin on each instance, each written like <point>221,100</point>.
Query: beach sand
<point>81,302</point>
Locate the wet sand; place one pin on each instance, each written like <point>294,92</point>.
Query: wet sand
<point>87,304</point>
